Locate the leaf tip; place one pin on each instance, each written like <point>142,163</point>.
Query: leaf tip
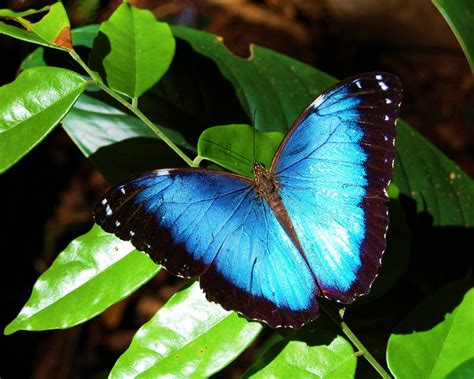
<point>11,328</point>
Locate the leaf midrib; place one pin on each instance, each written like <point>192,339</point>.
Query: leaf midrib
<point>13,126</point>
<point>48,305</point>
<point>184,346</point>
<point>449,321</point>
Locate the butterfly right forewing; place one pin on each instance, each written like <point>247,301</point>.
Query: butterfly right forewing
<point>334,166</point>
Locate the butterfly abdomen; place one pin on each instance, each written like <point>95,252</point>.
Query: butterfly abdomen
<point>268,189</point>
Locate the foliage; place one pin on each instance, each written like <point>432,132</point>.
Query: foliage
<point>317,353</point>
<point>31,107</point>
<point>188,335</point>
<point>128,44</point>
<point>93,272</point>
<point>190,94</point>
<point>460,17</point>
<point>417,348</point>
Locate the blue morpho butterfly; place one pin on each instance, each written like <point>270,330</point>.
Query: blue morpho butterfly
<point>314,224</point>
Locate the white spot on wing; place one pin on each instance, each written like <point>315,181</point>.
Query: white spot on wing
<point>383,86</point>
<point>386,118</point>
<point>108,210</point>
<point>104,201</point>
<point>357,83</point>
<point>122,190</point>
<point>388,101</point>
<point>117,223</point>
<point>378,77</point>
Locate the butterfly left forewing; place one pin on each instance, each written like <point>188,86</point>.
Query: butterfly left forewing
<point>171,215</point>
<point>334,166</point>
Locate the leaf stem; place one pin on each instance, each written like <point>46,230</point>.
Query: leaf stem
<point>197,161</point>
<point>357,343</point>
<point>132,107</point>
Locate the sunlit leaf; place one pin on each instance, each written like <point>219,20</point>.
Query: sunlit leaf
<point>95,271</point>
<point>52,30</point>
<point>31,106</point>
<point>135,50</point>
<point>429,345</point>
<point>83,36</point>
<point>93,124</point>
<point>188,337</point>
<point>229,147</point>
<point>313,354</point>
<point>101,131</point>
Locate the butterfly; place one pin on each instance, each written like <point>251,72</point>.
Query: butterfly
<point>313,225</point>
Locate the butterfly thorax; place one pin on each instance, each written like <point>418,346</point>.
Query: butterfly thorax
<point>268,188</point>
<point>266,185</point>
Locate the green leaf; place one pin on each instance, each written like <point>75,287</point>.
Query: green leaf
<point>34,59</point>
<point>85,35</point>
<point>95,271</point>
<point>460,17</point>
<point>141,50</point>
<point>52,30</point>
<point>280,88</point>
<point>31,106</point>
<point>192,97</point>
<point>188,337</point>
<point>273,85</point>
<point>437,184</point>
<point>443,350</point>
<point>123,159</point>
<point>229,146</point>
<point>93,124</point>
<point>315,354</point>
<point>118,144</point>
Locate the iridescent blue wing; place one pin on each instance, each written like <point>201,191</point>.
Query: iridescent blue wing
<point>212,224</point>
<point>334,166</point>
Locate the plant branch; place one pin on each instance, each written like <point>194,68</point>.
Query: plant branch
<point>132,107</point>
<point>357,343</point>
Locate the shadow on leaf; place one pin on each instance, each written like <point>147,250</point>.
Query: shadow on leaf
<point>123,159</point>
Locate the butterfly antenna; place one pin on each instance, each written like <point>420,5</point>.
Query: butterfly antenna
<point>239,157</point>
<point>254,135</point>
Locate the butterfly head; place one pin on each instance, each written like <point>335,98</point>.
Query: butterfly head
<point>258,169</point>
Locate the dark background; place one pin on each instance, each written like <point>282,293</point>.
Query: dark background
<point>48,195</point>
